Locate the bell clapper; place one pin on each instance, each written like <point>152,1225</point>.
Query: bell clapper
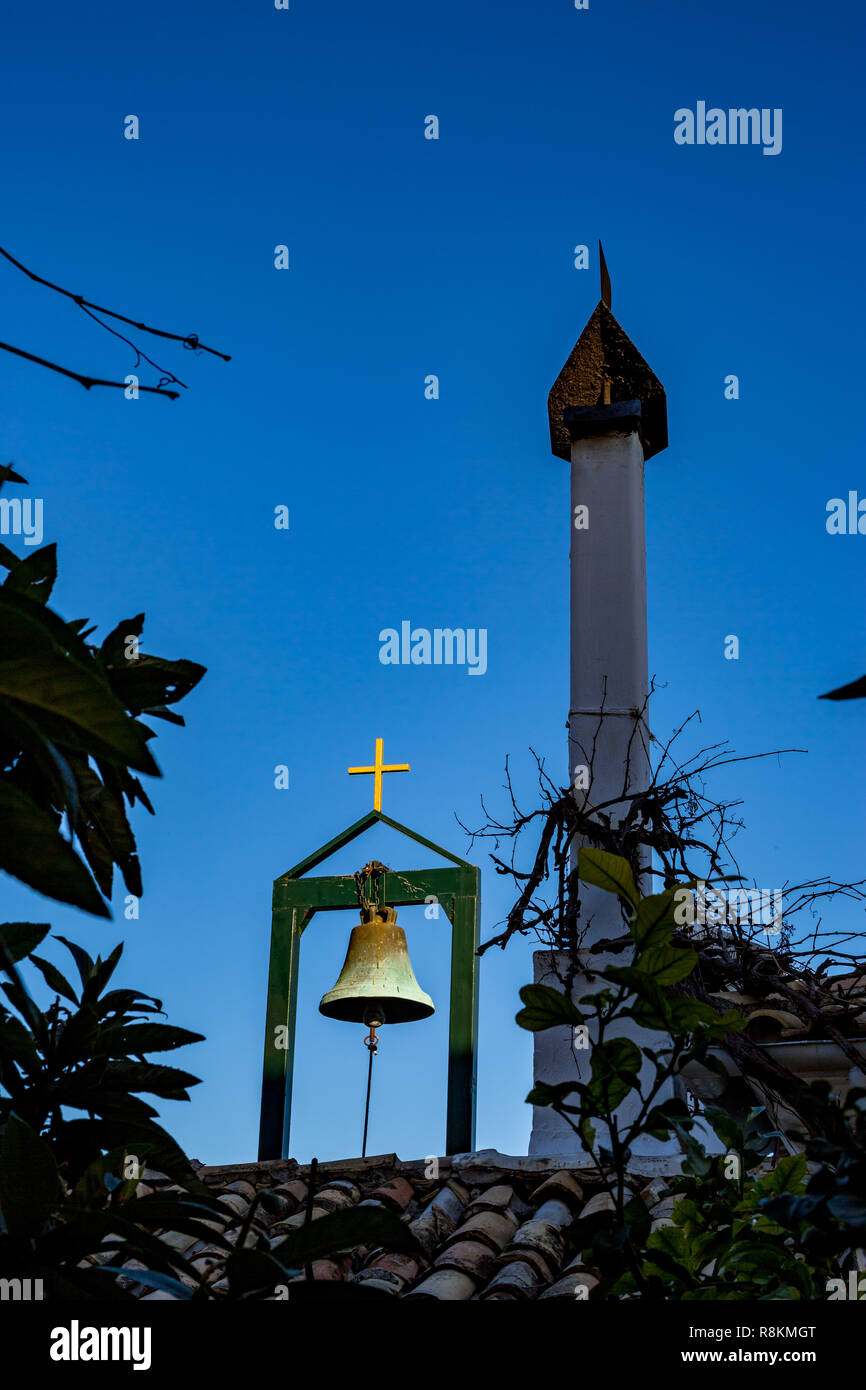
<point>374,1018</point>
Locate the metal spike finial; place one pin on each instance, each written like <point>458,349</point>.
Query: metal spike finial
<point>605,277</point>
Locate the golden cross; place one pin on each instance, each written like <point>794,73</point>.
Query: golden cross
<point>377,769</point>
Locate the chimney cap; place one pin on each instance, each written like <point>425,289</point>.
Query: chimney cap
<point>604,369</point>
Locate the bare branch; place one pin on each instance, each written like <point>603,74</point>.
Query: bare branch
<point>85,381</point>
<point>189,340</point>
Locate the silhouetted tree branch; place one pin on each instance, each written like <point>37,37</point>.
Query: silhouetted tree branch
<point>189,340</point>
<point>85,381</point>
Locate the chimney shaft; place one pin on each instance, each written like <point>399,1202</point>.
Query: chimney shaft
<point>608,738</point>
<point>608,442</point>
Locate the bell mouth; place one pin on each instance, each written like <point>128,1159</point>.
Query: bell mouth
<point>395,1009</point>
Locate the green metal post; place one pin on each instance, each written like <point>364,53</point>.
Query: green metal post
<point>279,1056</point>
<point>463,1026</point>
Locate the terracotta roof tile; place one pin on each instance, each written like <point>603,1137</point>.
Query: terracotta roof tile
<point>182,1242</point>
<point>396,1194</point>
<point>445,1284</point>
<point>516,1280</point>
<point>277,1205</point>
<point>567,1286</point>
<point>544,1265</point>
<point>235,1202</point>
<point>602,1201</point>
<point>402,1267</point>
<point>296,1190</point>
<point>494,1198</point>
<point>545,1235</point>
<point>378,1279</point>
<point>469,1257</point>
<point>490,1226</point>
<point>440,1217</point>
<point>336,1196</point>
<point>333,1270</point>
<point>563,1185</point>
<point>245,1189</point>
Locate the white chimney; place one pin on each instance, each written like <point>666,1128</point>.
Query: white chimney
<point>607,416</point>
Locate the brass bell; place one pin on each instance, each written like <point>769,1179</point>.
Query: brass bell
<point>377,975</point>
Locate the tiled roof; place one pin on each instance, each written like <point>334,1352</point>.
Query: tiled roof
<point>839,1000</point>
<point>490,1226</point>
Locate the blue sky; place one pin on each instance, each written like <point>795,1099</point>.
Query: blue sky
<point>409,257</point>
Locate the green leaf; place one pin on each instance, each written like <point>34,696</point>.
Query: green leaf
<point>668,1249</point>
<point>85,1232</point>
<point>29,1180</point>
<point>615,1067</point>
<point>546,1008</point>
<point>105,832</point>
<point>651,1008</point>
<point>686,1015</point>
<point>544,1094</point>
<point>608,871</point>
<point>168,1082</point>
<point>657,1124</point>
<point>87,1090</point>
<point>57,781</point>
<point>81,958</point>
<point>667,964</point>
<point>654,924</point>
<point>162,712</point>
<point>253,1271</point>
<point>586,1130</point>
<point>730,1022</point>
<point>125,1001</point>
<point>696,1160</point>
<point>102,973</point>
<point>101,1174</point>
<point>16,992</point>
<point>35,574</point>
<point>161,1212</point>
<point>20,938</point>
<point>31,629</point>
<point>17,1042</point>
<point>155,1279</point>
<point>616,1055</point>
<point>340,1230</point>
<point>54,979</point>
<point>725,1126</point>
<point>113,649</point>
<point>33,850</point>
<point>154,681</point>
<point>637,1219</point>
<point>146,1137</point>
<point>136,1039</point>
<point>63,687</point>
